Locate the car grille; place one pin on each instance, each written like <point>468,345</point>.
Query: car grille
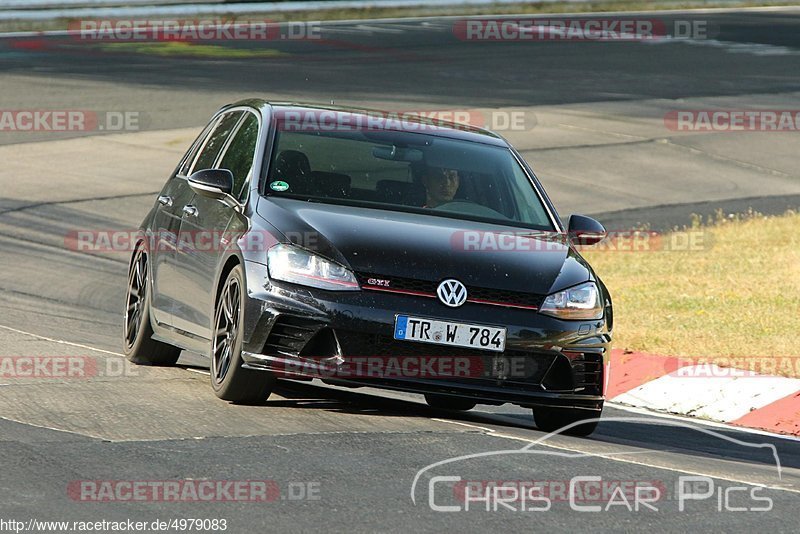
<point>557,372</point>
<point>510,367</point>
<point>475,295</point>
<point>587,368</point>
<point>289,334</point>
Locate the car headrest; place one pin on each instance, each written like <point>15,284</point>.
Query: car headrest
<point>330,184</point>
<point>293,167</point>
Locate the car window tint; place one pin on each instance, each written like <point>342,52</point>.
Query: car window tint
<point>400,170</point>
<point>208,154</point>
<point>188,158</point>
<point>239,155</point>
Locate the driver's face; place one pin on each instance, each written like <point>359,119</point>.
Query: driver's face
<point>441,185</point>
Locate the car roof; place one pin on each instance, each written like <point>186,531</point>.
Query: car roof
<point>427,125</point>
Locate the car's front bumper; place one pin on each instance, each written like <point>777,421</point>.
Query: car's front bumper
<point>560,363</point>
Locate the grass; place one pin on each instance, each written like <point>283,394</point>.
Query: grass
<point>434,10</point>
<point>737,296</point>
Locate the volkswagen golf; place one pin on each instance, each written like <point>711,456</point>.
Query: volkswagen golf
<point>301,242</point>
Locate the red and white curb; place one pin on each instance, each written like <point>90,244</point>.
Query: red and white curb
<point>704,390</point>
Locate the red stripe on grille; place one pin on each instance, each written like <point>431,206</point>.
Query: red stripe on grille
<point>401,291</point>
<point>431,295</point>
<point>506,304</point>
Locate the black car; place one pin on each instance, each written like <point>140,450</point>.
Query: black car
<point>364,249</point>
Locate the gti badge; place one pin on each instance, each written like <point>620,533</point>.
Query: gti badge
<point>452,293</point>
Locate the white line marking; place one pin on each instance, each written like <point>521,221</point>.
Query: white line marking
<point>44,427</point>
<point>378,29</point>
<point>641,411</point>
<point>390,394</point>
<point>704,422</point>
<point>617,458</point>
<point>485,429</point>
<point>734,47</point>
<point>60,341</point>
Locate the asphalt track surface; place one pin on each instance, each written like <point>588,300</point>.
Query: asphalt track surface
<point>600,146</point>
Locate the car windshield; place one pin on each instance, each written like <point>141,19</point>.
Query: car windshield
<point>404,171</point>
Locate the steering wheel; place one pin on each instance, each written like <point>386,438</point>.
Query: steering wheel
<point>469,207</point>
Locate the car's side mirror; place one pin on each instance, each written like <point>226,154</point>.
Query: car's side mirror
<point>585,230</point>
<point>212,183</point>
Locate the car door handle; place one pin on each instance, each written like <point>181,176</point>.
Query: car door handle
<point>165,200</point>
<point>190,210</point>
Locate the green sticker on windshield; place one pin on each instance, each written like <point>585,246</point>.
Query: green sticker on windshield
<point>279,186</point>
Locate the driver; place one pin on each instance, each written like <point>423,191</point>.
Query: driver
<point>440,185</point>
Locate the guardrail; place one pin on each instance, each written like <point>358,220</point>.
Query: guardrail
<point>11,10</point>
<point>65,4</point>
<point>251,5</point>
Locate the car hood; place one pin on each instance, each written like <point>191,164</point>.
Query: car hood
<point>426,247</point>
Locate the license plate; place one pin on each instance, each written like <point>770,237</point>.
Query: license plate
<point>473,336</point>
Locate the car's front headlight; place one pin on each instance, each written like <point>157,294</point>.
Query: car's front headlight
<point>297,265</point>
<point>576,303</point>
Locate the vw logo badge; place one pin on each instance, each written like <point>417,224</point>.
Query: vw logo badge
<point>452,293</point>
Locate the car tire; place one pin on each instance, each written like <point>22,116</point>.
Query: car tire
<point>444,402</point>
<point>137,334</point>
<point>229,380</point>
<point>553,419</point>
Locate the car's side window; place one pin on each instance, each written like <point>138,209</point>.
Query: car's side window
<point>208,154</point>
<point>239,155</point>
<point>188,158</point>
